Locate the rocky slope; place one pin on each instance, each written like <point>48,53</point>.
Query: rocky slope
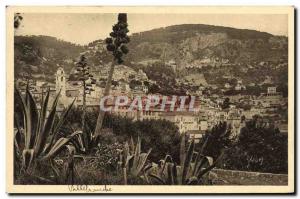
<point>184,45</point>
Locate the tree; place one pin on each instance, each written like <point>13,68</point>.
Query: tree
<point>116,44</point>
<point>226,103</point>
<point>134,83</point>
<point>154,88</point>
<point>260,147</point>
<point>216,140</point>
<point>160,135</point>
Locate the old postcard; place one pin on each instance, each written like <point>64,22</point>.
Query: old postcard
<point>106,100</point>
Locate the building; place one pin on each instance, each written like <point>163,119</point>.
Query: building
<point>60,85</point>
<point>227,85</point>
<point>271,90</point>
<point>271,98</point>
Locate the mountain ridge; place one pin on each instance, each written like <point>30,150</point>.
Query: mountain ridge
<point>186,45</point>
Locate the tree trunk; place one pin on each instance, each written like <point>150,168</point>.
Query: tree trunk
<point>83,108</point>
<point>106,93</point>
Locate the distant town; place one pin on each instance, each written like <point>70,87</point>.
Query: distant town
<point>235,109</point>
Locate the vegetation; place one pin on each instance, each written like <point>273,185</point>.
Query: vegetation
<point>79,146</point>
<point>160,135</point>
<point>220,135</point>
<point>116,161</point>
<point>37,137</point>
<point>82,73</point>
<point>116,44</point>
<point>259,147</point>
<point>132,161</point>
<point>125,162</point>
<point>192,169</point>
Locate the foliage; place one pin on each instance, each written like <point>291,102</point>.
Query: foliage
<point>40,131</point>
<point>259,148</point>
<point>82,73</point>
<point>226,103</point>
<point>117,45</point>
<point>106,157</point>
<point>193,167</point>
<point>87,79</point>
<point>217,139</point>
<point>132,161</point>
<point>118,38</point>
<point>160,135</point>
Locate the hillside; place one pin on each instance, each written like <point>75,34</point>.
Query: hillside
<point>184,45</point>
<point>189,43</point>
<point>40,56</point>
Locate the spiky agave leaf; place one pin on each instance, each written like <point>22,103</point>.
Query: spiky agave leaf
<point>58,146</point>
<point>203,163</point>
<point>43,113</point>
<point>175,174</point>
<point>182,150</point>
<point>32,120</point>
<point>58,125</point>
<point>78,143</point>
<point>137,153</point>
<point>167,157</point>
<point>187,161</point>
<point>27,156</point>
<point>131,146</point>
<point>45,131</point>
<point>157,178</point>
<point>210,167</point>
<point>179,174</point>
<point>30,114</point>
<point>170,180</point>
<point>141,163</point>
<point>18,136</point>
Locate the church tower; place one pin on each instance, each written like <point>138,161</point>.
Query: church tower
<point>60,82</point>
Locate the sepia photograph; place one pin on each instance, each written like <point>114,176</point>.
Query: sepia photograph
<point>150,100</point>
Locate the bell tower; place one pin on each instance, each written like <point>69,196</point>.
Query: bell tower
<point>60,82</point>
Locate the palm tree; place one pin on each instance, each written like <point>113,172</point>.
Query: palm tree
<point>115,44</point>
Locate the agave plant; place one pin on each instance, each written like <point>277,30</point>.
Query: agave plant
<point>84,143</point>
<point>116,44</point>
<point>66,172</point>
<point>193,167</point>
<point>132,161</point>
<point>40,131</point>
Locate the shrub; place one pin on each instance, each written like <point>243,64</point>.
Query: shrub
<point>259,148</point>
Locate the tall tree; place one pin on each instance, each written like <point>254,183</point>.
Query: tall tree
<point>115,44</point>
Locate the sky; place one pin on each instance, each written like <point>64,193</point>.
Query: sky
<point>84,28</point>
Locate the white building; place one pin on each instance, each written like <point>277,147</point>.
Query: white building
<point>60,81</point>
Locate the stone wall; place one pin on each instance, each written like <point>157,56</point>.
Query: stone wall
<point>232,177</point>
